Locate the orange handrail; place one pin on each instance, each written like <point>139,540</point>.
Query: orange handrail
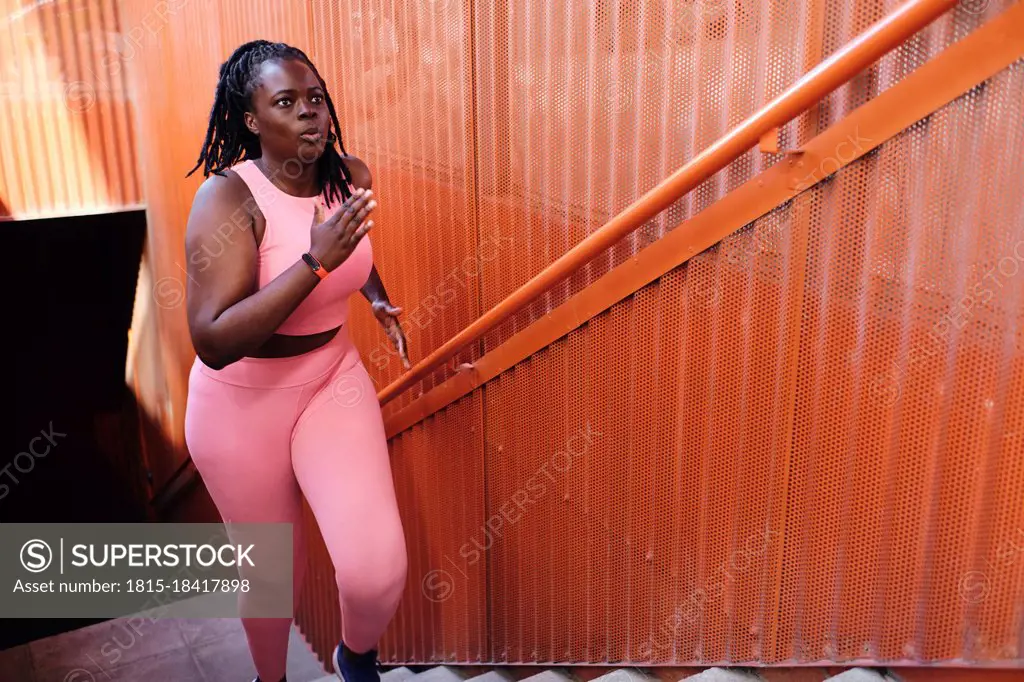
<point>860,53</point>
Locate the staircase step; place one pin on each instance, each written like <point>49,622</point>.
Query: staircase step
<point>397,675</point>
<point>444,673</point>
<point>858,675</point>
<point>441,673</point>
<point>625,675</point>
<point>493,676</point>
<point>724,675</point>
<point>394,675</point>
<point>548,676</point>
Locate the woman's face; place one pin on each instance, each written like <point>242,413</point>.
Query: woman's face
<point>289,111</point>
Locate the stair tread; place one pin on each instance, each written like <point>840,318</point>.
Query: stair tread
<point>394,675</point>
<point>397,675</point>
<point>724,675</point>
<point>440,673</point>
<point>858,675</point>
<point>444,673</point>
<point>548,676</point>
<point>493,676</point>
<point>624,675</point>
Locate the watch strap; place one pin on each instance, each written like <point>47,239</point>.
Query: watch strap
<point>316,266</point>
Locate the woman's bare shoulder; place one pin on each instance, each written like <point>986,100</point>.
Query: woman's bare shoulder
<point>361,176</point>
<point>221,199</point>
<point>224,187</point>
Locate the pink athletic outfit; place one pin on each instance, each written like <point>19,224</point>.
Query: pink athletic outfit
<point>265,431</point>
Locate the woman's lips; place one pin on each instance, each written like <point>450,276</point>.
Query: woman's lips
<point>312,138</point>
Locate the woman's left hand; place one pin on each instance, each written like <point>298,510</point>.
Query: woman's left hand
<point>387,315</point>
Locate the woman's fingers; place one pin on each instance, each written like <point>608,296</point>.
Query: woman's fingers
<point>352,238</point>
<point>363,229</point>
<point>359,222</point>
<point>361,214</point>
<point>355,204</point>
<point>398,337</point>
<point>350,220</point>
<point>349,207</point>
<point>403,349</point>
<point>339,215</point>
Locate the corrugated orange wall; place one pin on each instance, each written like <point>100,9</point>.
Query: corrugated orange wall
<point>66,139</point>
<point>784,450</point>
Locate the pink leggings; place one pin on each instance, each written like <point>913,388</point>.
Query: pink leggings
<point>265,432</point>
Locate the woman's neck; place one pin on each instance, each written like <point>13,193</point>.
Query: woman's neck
<point>296,178</point>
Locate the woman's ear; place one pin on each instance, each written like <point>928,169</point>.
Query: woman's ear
<point>250,123</point>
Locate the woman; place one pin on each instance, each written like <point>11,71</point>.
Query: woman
<point>279,403</point>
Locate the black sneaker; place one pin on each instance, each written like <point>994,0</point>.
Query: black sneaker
<point>353,667</point>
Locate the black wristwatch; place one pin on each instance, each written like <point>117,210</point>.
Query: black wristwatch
<point>316,266</point>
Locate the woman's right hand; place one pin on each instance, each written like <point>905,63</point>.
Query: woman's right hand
<point>333,240</point>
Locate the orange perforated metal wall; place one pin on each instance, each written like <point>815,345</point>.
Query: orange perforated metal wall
<point>66,137</point>
<point>691,530</point>
<point>904,494</point>
<point>770,454</point>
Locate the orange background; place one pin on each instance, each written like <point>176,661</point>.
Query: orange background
<point>801,445</point>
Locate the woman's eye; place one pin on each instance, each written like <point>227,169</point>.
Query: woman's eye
<point>284,101</point>
<point>317,99</point>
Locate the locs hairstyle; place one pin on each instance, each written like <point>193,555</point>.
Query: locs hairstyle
<point>228,138</point>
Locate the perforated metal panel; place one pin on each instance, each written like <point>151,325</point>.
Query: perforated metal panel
<point>444,615</point>
<point>66,144</point>
<point>654,534</point>
<point>698,522</point>
<point>904,492</point>
<point>604,103</point>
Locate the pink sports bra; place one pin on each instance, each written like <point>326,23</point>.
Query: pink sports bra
<point>286,238</point>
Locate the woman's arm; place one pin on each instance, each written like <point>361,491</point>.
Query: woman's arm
<point>374,289</point>
<point>386,314</point>
<point>228,318</point>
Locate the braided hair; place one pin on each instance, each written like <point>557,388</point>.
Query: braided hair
<point>229,140</point>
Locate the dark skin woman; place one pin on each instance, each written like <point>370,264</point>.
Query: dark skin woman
<point>276,418</point>
<point>290,120</point>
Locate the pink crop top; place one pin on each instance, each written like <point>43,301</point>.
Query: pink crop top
<point>286,238</point>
